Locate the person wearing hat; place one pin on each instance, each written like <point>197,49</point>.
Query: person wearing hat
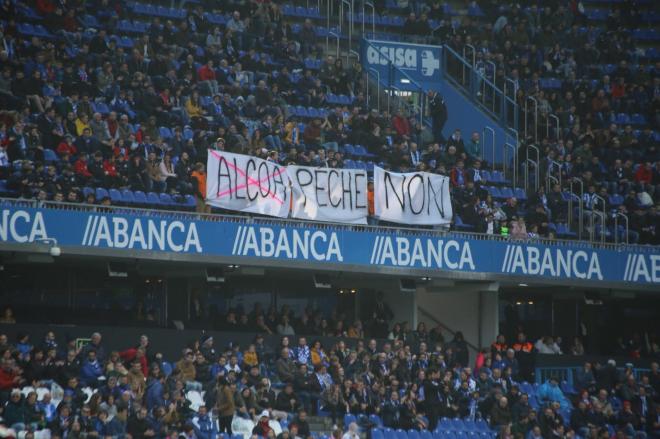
<point>262,429</point>
<point>205,427</point>
<point>219,144</point>
<point>206,348</point>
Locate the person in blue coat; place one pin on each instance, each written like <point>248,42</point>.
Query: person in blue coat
<point>91,370</point>
<point>205,427</point>
<point>550,391</point>
<point>116,427</point>
<point>155,392</point>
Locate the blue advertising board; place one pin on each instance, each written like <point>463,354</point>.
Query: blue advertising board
<point>414,63</point>
<point>137,233</point>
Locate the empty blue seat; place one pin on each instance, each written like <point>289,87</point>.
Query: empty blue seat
<point>152,199</point>
<point>494,192</point>
<point>140,198</point>
<point>102,108</point>
<point>165,133</point>
<point>457,424</point>
<point>49,155</point>
<point>460,225</point>
<point>520,194</point>
<point>497,177</point>
<point>349,149</point>
<point>506,192</point>
<point>638,119</point>
<point>101,193</point>
<point>616,200</point>
<point>349,418</point>
<point>482,425</point>
<point>115,196</point>
<point>127,197</point>
<point>166,200</point>
<point>376,420</point>
<point>88,190</point>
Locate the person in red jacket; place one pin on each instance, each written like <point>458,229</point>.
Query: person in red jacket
<point>644,173</point>
<point>80,168</point>
<point>401,124</point>
<point>206,75</point>
<point>136,354</point>
<point>66,146</point>
<point>9,377</point>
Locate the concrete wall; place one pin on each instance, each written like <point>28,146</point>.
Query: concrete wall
<point>470,311</point>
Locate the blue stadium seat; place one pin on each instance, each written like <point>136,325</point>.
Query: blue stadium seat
<point>153,199</point>
<point>506,192</point>
<point>520,194</point>
<point>190,203</point>
<point>460,225</point>
<point>376,420</point>
<point>165,133</point>
<point>49,155</point>
<point>166,200</point>
<point>88,190</point>
<point>101,193</point>
<point>348,418</point>
<point>140,198</point>
<point>115,196</point>
<point>127,197</point>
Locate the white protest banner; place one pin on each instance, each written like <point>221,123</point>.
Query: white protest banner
<point>327,194</point>
<point>412,198</point>
<point>247,184</point>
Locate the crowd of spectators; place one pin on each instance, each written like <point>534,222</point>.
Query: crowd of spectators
<point>412,380</point>
<point>596,78</point>
<point>81,110</point>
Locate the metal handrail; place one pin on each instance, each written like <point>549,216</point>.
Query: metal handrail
<point>474,57</point>
<point>373,18</point>
<point>508,146</point>
<point>547,126</point>
<point>337,37</point>
<point>350,53</point>
<point>618,214</point>
<point>483,141</point>
<point>536,117</point>
<point>262,220</point>
<point>515,88</point>
<point>342,17</point>
<point>371,69</point>
<point>602,215</point>
<point>329,12</point>
<point>592,224</point>
<point>513,133</point>
<point>551,178</point>
<point>529,161</point>
<point>576,180</point>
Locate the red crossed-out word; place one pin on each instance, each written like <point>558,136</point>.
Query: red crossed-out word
<point>250,181</point>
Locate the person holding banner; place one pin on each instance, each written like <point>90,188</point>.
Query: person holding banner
<point>198,176</point>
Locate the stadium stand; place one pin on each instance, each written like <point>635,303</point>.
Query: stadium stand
<point>412,385</point>
<point>116,102</point>
<point>127,97</point>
